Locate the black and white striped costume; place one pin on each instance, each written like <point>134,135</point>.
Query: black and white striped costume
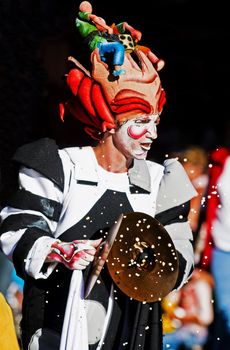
<point>64,194</point>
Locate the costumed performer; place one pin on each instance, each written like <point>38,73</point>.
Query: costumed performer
<point>67,199</point>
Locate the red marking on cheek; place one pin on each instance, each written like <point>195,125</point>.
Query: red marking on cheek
<point>136,132</point>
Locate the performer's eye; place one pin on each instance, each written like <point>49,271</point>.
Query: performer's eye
<point>142,121</point>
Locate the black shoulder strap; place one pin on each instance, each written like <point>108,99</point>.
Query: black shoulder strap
<point>42,156</point>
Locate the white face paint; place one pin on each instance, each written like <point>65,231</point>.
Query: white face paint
<point>134,137</point>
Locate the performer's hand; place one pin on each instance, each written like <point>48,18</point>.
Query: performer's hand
<point>76,255</point>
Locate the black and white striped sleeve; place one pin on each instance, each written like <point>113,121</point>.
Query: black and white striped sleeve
<point>29,222</point>
<point>30,219</point>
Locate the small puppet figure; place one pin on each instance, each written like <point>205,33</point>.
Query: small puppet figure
<point>99,35</point>
<point>112,41</point>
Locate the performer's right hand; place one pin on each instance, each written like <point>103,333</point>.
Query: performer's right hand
<point>75,255</point>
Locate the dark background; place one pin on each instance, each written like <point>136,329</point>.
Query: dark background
<point>191,36</point>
